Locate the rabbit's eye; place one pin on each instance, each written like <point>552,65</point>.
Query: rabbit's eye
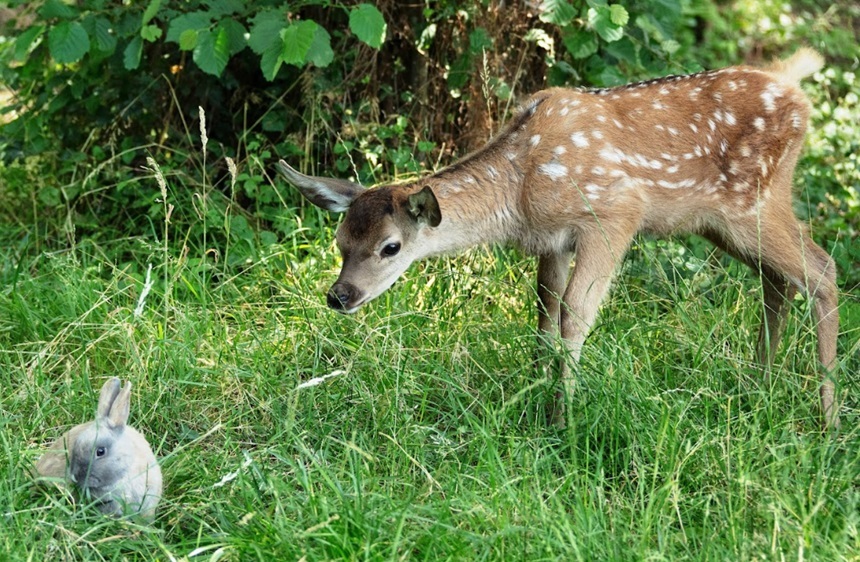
<point>100,451</point>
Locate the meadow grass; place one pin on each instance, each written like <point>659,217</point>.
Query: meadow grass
<point>427,438</point>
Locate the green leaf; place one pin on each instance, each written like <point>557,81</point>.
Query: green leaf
<point>670,47</point>
<point>26,41</point>
<point>104,40</point>
<point>618,15</point>
<point>235,35</point>
<point>225,7</point>
<point>57,9</point>
<point>624,50</point>
<point>298,39</point>
<point>270,61</point>
<point>212,51</point>
<point>366,21</point>
<point>194,20</point>
<point>188,39</point>
<point>150,32</point>
<point>68,42</point>
<point>131,56</point>
<point>320,53</point>
<point>266,29</point>
<point>600,20</point>
<point>150,12</point>
<point>580,43</point>
<point>557,12</point>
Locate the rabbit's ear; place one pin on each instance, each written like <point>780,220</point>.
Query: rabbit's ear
<point>110,390</point>
<point>120,408</point>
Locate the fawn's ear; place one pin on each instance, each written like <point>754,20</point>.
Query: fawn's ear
<point>331,194</point>
<point>423,207</point>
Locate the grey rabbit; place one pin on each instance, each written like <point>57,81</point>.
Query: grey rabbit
<point>108,461</point>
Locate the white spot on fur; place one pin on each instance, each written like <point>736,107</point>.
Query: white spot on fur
<point>597,134</point>
<point>559,150</point>
<point>564,110</point>
<point>598,171</point>
<point>758,123</point>
<point>677,184</point>
<point>694,128</point>
<point>579,140</point>
<point>554,170</point>
<point>672,131</point>
<point>611,154</point>
<point>730,118</point>
<point>601,118</point>
<point>796,120</point>
<point>535,140</point>
<point>746,151</point>
<point>769,96</point>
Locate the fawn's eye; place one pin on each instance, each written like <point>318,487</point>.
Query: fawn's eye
<point>390,249</point>
<point>100,451</point>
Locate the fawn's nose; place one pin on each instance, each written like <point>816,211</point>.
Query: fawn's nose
<point>340,296</point>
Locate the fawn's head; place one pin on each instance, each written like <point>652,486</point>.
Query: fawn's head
<point>380,236</point>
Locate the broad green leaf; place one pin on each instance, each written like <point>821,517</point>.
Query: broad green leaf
<point>618,15</point>
<point>188,39</point>
<point>600,20</point>
<point>320,53</point>
<point>212,51</point>
<point>297,39</point>
<point>194,20</point>
<point>150,12</point>
<point>150,32</point>
<point>366,21</point>
<point>57,9</point>
<point>557,12</point>
<point>270,61</point>
<point>26,41</point>
<point>266,30</point>
<point>235,35</point>
<point>580,43</point>
<point>624,50</point>
<point>68,42</point>
<point>670,47</point>
<point>131,56</point>
<point>103,39</point>
<point>225,7</point>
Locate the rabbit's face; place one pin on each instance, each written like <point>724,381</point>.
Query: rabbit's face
<point>98,460</point>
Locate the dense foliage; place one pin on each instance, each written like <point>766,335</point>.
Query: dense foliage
<point>370,91</point>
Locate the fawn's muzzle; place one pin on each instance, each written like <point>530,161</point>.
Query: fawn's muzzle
<point>343,297</point>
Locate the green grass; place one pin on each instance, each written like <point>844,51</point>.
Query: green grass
<point>433,443</point>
